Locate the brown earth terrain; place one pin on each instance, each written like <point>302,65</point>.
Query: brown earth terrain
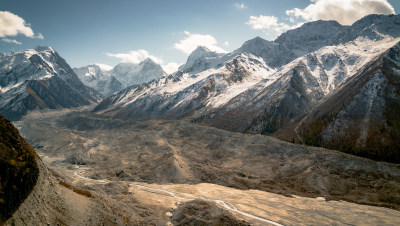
<point>181,152</point>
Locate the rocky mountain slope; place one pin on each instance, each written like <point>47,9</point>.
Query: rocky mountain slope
<point>304,83</point>
<point>95,77</point>
<point>364,117</point>
<point>19,170</point>
<point>39,79</point>
<point>263,86</point>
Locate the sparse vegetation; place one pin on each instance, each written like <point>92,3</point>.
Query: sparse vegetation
<point>126,219</point>
<point>19,170</point>
<point>382,141</point>
<point>77,190</point>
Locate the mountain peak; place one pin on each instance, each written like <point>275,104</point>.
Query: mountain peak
<point>256,42</point>
<point>195,58</point>
<point>376,17</point>
<point>258,39</point>
<point>320,29</point>
<point>135,74</point>
<point>148,61</point>
<point>202,49</point>
<point>375,26</point>
<point>94,66</point>
<point>44,48</point>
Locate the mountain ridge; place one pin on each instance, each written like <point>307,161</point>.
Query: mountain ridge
<point>252,95</point>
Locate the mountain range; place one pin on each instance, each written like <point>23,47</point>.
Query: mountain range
<point>305,86</point>
<point>321,84</point>
<point>121,76</point>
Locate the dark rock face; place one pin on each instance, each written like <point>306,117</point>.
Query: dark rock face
<point>19,170</point>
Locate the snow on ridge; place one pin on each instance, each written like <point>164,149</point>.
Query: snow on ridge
<point>346,58</point>
<point>330,65</point>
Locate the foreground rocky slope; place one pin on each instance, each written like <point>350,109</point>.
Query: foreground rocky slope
<point>19,170</point>
<point>31,194</point>
<point>56,202</point>
<point>39,79</point>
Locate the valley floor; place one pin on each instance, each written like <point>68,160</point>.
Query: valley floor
<point>164,168</point>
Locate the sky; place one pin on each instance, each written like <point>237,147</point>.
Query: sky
<point>109,32</point>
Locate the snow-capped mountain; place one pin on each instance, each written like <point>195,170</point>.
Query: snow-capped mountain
<point>98,79</point>
<point>266,87</point>
<point>180,94</point>
<point>199,60</point>
<point>303,83</point>
<point>133,74</point>
<point>305,39</point>
<point>38,79</point>
<point>361,116</point>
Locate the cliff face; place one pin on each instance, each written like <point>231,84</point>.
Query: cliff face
<point>19,170</point>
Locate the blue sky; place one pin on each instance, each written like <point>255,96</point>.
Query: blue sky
<point>110,32</point>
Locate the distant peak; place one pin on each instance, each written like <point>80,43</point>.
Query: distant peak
<point>104,67</point>
<point>257,39</point>
<point>93,65</point>
<point>201,49</point>
<point>255,43</point>
<point>323,22</point>
<point>44,48</point>
<point>374,18</point>
<point>148,61</point>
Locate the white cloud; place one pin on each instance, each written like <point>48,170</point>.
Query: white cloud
<point>345,12</point>
<point>137,56</point>
<point>262,22</point>
<point>192,41</point>
<point>240,6</point>
<point>13,25</point>
<point>104,67</point>
<point>11,41</point>
<point>269,23</point>
<point>39,36</point>
<point>171,67</point>
<point>226,43</point>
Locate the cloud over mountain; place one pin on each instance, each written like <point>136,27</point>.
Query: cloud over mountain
<point>192,41</point>
<point>13,25</point>
<point>345,12</point>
